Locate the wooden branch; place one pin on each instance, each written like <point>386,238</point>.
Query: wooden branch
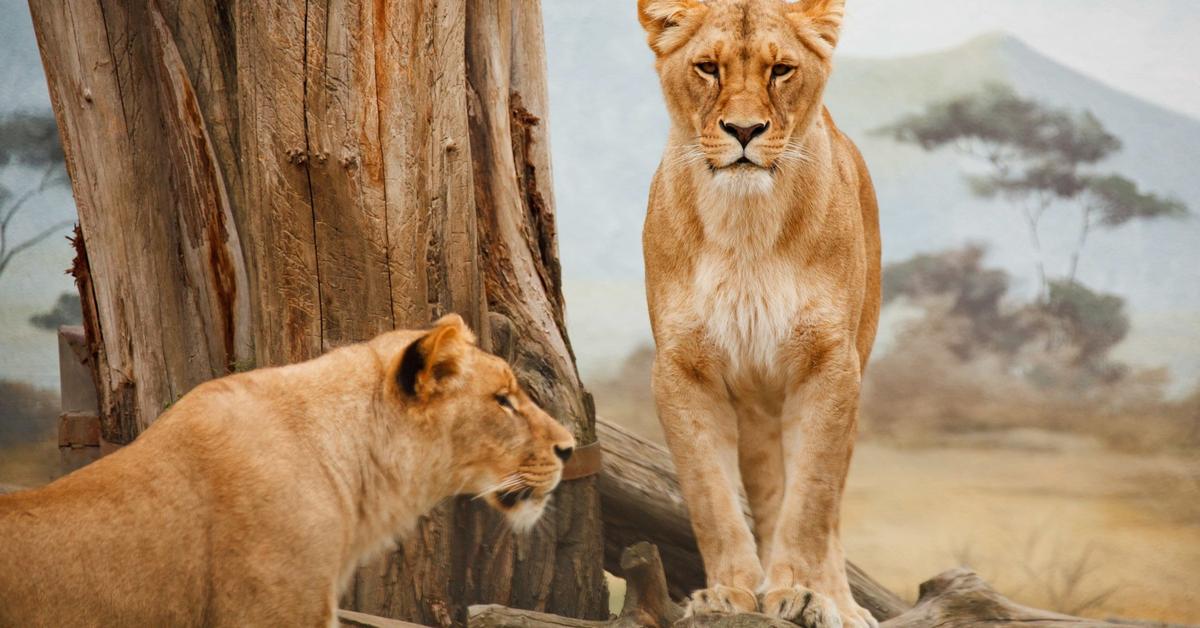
<point>647,600</point>
<point>960,598</point>
<point>641,501</point>
<point>353,619</point>
<point>956,598</point>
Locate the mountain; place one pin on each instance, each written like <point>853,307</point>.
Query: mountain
<point>608,126</point>
<point>920,191</point>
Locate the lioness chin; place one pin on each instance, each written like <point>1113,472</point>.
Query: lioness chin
<point>762,260</point>
<point>253,498</point>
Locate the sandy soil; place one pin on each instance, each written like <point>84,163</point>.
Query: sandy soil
<point>1078,529</point>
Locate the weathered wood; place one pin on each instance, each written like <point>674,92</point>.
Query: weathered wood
<point>363,620</point>
<point>133,148</point>
<point>258,181</point>
<point>647,600</point>
<point>520,269</point>
<point>640,501</point>
<point>956,598</point>
<point>960,598</point>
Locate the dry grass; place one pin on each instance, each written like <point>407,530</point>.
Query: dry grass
<point>1067,529</point>
<point>1065,577</point>
<point>924,394</point>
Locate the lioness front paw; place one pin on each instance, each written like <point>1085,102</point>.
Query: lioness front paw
<point>722,599</point>
<point>803,607</point>
<point>866,619</point>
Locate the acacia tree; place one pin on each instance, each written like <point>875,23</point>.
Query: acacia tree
<point>258,181</point>
<point>30,140</point>
<point>1038,157</point>
<point>988,321</point>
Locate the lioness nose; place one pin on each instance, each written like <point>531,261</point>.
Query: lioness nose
<point>563,453</point>
<point>744,134</point>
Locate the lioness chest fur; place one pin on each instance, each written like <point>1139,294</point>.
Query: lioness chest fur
<point>251,501</point>
<point>762,260</point>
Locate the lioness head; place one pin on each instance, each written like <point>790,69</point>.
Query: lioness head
<point>742,79</point>
<point>503,447</point>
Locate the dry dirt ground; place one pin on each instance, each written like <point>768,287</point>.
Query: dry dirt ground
<point>1064,526</point>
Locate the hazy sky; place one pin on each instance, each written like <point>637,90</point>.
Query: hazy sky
<point>1147,47</point>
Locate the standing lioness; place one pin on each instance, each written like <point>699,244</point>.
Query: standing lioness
<point>762,273</point>
<point>251,501</point>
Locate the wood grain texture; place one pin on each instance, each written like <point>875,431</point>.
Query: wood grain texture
<point>524,293</point>
<point>258,182</point>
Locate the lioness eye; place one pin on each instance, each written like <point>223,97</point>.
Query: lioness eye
<point>504,401</point>
<point>780,69</point>
<point>708,67</point>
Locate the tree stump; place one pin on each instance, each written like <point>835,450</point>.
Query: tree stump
<point>259,181</point>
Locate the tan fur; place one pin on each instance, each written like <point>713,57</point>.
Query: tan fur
<point>763,285</point>
<point>253,498</point>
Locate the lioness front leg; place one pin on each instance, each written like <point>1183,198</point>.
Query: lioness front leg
<point>701,431</point>
<point>806,578</point>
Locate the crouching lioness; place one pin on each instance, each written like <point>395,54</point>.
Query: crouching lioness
<point>762,272</point>
<point>251,501</point>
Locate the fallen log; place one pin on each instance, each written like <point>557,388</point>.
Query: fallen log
<point>352,619</point>
<point>959,598</point>
<point>640,501</point>
<point>955,599</point>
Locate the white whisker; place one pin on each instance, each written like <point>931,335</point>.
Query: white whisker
<point>685,155</point>
<point>508,482</point>
<point>795,154</point>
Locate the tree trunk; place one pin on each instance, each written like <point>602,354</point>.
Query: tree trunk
<point>258,181</point>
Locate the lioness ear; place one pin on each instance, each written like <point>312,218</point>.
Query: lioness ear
<point>819,23</point>
<point>433,360</point>
<point>669,23</point>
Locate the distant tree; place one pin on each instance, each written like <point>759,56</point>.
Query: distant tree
<point>66,311</point>
<point>1036,156</point>
<point>27,414</point>
<point>1093,322</point>
<point>1111,201</point>
<point>29,139</point>
<point>973,301</point>
<point>971,291</point>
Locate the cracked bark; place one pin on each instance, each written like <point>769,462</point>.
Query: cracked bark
<point>257,182</point>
